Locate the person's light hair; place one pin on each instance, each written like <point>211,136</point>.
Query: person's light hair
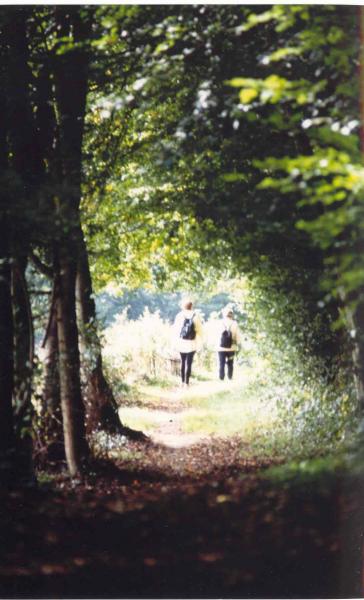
<point>186,303</point>
<point>227,311</point>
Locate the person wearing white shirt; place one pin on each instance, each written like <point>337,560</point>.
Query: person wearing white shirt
<point>228,342</point>
<point>188,338</point>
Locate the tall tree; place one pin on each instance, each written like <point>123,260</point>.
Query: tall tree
<point>6,318</point>
<point>22,161</point>
<point>71,85</point>
<point>6,341</point>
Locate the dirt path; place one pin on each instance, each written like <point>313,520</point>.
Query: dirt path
<point>174,451</point>
<point>181,517</point>
<point>169,431</point>
<point>171,434</point>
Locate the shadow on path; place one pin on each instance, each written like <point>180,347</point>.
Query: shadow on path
<point>195,521</point>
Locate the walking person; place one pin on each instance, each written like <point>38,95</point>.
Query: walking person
<point>229,339</point>
<point>188,338</point>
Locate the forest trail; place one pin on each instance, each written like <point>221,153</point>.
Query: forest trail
<point>170,432</point>
<point>181,516</point>
<point>165,415</point>
<point>168,419</point>
<point>165,412</point>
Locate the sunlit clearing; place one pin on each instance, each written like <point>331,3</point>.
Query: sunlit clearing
<point>278,401</point>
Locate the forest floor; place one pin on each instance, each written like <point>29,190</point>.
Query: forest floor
<point>184,514</point>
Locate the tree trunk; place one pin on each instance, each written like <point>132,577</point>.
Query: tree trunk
<point>51,388</point>
<point>6,348</point>
<point>51,438</point>
<point>26,168</point>
<point>71,85</point>
<point>356,324</point>
<point>6,316</point>
<point>361,76</point>
<point>356,320</point>
<point>23,371</point>
<point>73,412</point>
<point>358,313</point>
<point>23,342</point>
<point>101,407</point>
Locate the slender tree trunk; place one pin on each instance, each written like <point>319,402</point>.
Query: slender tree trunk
<point>355,319</point>
<point>23,340</point>
<point>23,371</point>
<point>51,439</point>
<point>101,407</point>
<point>73,412</point>
<point>6,316</point>
<point>6,347</point>
<point>51,387</point>
<point>359,354</point>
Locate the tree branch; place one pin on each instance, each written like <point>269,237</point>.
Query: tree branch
<point>40,266</point>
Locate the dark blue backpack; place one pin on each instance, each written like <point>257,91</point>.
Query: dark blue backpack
<point>226,339</point>
<point>188,331</point>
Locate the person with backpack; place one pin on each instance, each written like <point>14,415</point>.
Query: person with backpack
<point>229,339</point>
<point>188,338</point>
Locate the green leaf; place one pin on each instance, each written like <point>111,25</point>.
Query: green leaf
<point>247,95</point>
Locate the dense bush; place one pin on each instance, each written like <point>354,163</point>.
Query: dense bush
<point>308,386</point>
